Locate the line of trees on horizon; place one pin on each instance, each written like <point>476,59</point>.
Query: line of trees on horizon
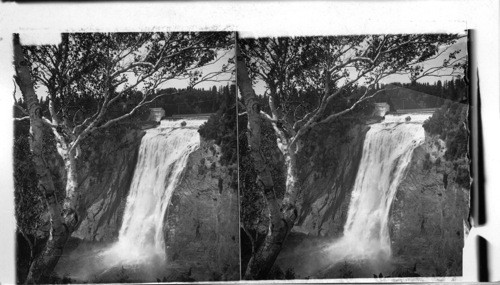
<point>193,100</point>
<point>427,95</point>
<point>181,101</point>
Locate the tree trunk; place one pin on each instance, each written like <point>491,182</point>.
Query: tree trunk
<point>71,211</point>
<point>292,186</point>
<point>30,244</point>
<point>44,264</point>
<point>264,258</point>
<point>281,219</point>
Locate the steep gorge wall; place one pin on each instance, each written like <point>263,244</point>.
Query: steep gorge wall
<point>428,213</point>
<point>201,223</point>
<point>330,163</point>
<point>201,227</point>
<point>105,173</point>
<point>427,220</point>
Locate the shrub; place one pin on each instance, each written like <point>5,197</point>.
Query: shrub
<point>221,127</point>
<point>346,270</point>
<point>290,274</point>
<point>450,123</point>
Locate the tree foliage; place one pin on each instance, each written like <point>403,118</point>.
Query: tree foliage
<point>304,75</point>
<point>221,126</point>
<point>193,100</point>
<point>108,70</point>
<point>450,124</point>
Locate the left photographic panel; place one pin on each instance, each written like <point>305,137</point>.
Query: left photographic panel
<point>125,160</point>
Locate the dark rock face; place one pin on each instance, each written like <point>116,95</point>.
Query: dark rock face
<point>330,160</point>
<point>106,171</point>
<point>428,214</point>
<point>201,225</point>
<point>330,163</point>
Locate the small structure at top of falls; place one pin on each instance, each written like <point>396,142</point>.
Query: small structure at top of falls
<point>381,109</point>
<point>156,114</point>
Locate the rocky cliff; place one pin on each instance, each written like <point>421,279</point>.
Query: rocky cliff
<point>106,171</point>
<point>427,218</point>
<point>201,225</point>
<point>331,159</point>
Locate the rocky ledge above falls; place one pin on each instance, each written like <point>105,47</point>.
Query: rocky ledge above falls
<point>201,225</point>
<point>426,220</point>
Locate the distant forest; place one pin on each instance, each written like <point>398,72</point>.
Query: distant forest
<point>175,101</point>
<point>411,96</point>
<point>425,96</point>
<point>192,101</point>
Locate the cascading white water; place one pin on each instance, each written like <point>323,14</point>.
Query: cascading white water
<point>162,158</point>
<point>387,152</point>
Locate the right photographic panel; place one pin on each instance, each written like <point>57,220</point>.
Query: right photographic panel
<point>354,156</point>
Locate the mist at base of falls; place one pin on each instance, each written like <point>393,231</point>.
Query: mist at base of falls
<point>321,257</point>
<point>94,262</point>
<point>139,252</point>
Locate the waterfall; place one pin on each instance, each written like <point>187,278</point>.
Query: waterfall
<point>387,151</point>
<point>162,158</point>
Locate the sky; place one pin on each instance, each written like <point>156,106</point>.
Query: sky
<point>459,45</point>
<point>224,79</point>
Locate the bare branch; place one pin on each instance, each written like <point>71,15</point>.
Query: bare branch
<point>360,100</point>
<point>252,241</point>
<point>52,109</point>
<point>23,110</point>
<point>132,65</point>
<point>22,118</point>
<point>268,118</point>
<point>240,105</point>
<point>48,123</point>
<point>433,70</point>
<point>136,45</point>
<point>349,61</point>
<point>327,99</point>
<point>93,125</point>
<point>305,118</point>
